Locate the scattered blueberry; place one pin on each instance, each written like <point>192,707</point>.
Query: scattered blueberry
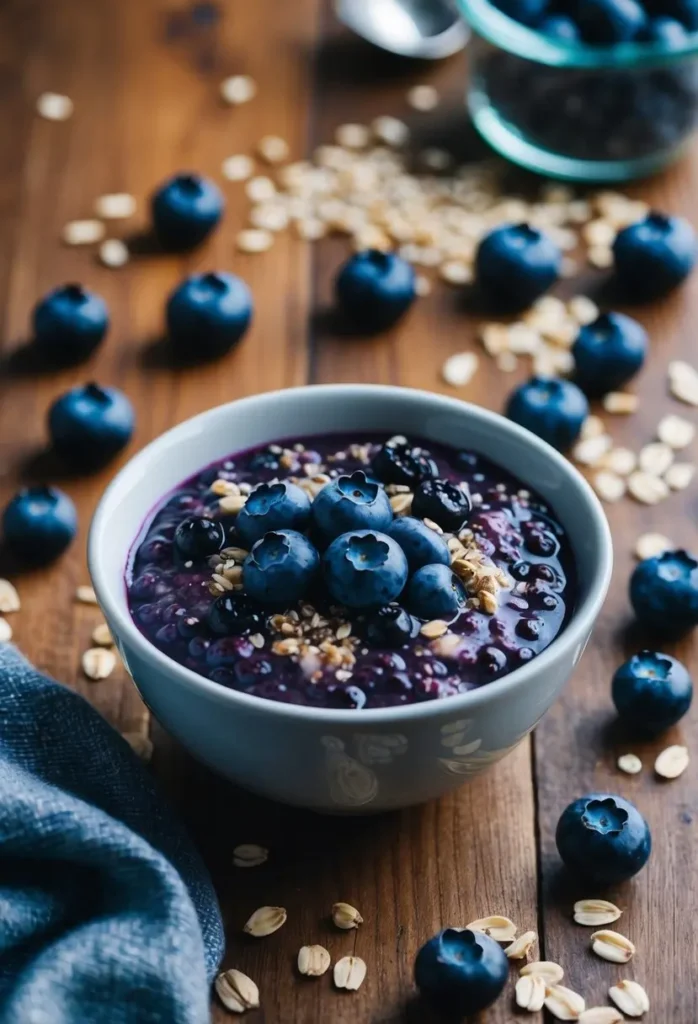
<point>608,352</point>
<point>196,538</point>
<point>435,592</point>
<point>185,210</point>
<point>280,568</point>
<point>604,22</point>
<point>397,462</point>
<point>374,289</point>
<point>651,692</point>
<point>654,256</point>
<point>552,409</point>
<point>664,592</point>
<point>560,27</point>
<point>421,544</point>
<point>89,425</point>
<point>391,626</point>
<point>234,615</point>
<point>277,506</point>
<point>69,323</point>
<point>364,569</point>
<point>39,523</point>
<point>461,972</point>
<point>603,838</point>
<point>667,31</point>
<point>207,314</point>
<point>444,503</point>
<point>351,503</point>
<point>515,264</point>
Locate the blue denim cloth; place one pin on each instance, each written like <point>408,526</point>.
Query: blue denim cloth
<point>107,914</point>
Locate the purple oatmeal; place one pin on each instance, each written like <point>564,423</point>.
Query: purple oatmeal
<point>422,572</point>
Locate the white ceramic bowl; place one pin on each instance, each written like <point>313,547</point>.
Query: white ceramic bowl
<point>342,760</point>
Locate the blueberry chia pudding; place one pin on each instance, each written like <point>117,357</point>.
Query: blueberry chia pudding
<point>351,572</point>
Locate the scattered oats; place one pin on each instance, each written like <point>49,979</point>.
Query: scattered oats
<point>593,426</point>
<point>54,107</point>
<point>401,504</point>
<point>621,403</point>
<point>551,972</point>
<point>563,1003</point>
<point>648,545</point>
<point>437,627</point>
<point>507,362</point>
<point>257,640</point>
<point>523,340</point>
<point>591,450</point>
<point>672,762</point>
<point>593,913</point>
<point>609,486</point>
<point>423,97</point>
<point>501,929</point>
<point>140,744</point>
<point>488,602</point>
<point>630,997</point>
<point>250,855</point>
<point>495,338</point>
<point>114,253</point>
<point>456,272</point>
<point>349,972</point>
<point>101,636</point>
<point>390,130</point>
<point>237,168</point>
<point>422,286</point>
<point>432,525</point>
<point>655,458</point>
<point>601,1015</point>
<point>620,460</point>
<point>343,631</point>
<point>260,189</point>
<point>254,240</point>
<point>647,489</point>
<point>83,232</point>
<point>601,257</point>
<point>265,920</point>
<point>435,159</point>
<point>598,233</point>
<point>269,217</point>
<point>459,369</point>
<point>9,598</point>
<point>85,595</point>
<point>676,432</point>
<point>371,237</point>
<point>238,89</point>
<point>578,211</point>
<point>236,991</point>
<point>310,229</point>
<point>352,136</point>
<point>313,961</point>
<point>630,764</point>
<point>530,992</point>
<point>345,916</point>
<point>98,663</point>
<point>683,382</point>
<point>679,476</point>
<point>613,946</point>
<point>583,309</point>
<point>115,206</point>
<point>521,947</point>
<point>273,149</point>
<point>5,631</point>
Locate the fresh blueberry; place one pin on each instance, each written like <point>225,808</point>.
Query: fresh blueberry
<point>667,31</point>
<point>685,11</point>
<point>207,314</point>
<point>552,409</point>
<point>277,506</point>
<point>651,692</point>
<point>234,615</point>
<point>435,592</point>
<point>605,22</point>
<point>196,538</point>
<point>280,568</point>
<point>608,352</point>
<point>185,210</point>
<point>398,462</point>
<point>603,838</point>
<point>351,503</point>
<point>515,264</point>
<point>461,972</point>
<point>375,288</point>
<point>364,569</point>
<point>69,323</point>
<point>421,544</point>
<point>664,592</point>
<point>444,503</point>
<point>391,626</point>
<point>89,425</point>
<point>39,523</point>
<point>653,256</point>
<point>560,27</point>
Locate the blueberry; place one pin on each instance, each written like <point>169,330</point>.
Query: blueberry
<point>397,462</point>
<point>39,523</point>
<point>435,592</point>
<point>651,692</point>
<point>391,626</point>
<point>603,838</point>
<point>234,615</point>
<point>444,503</point>
<point>667,31</point>
<point>89,425</point>
<point>664,592</point>
<point>69,323</point>
<point>207,314</point>
<point>527,12</point>
<point>461,972</point>
<point>374,289</point>
<point>515,264</point>
<point>196,538</point>
<point>560,27</point>
<point>277,506</point>
<point>421,544</point>
<point>610,21</point>
<point>654,256</point>
<point>280,568</point>
<point>364,569</point>
<point>608,352</point>
<point>185,210</point>
<point>551,408</point>
<point>351,503</point>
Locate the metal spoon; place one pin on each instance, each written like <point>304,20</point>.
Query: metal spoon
<point>413,28</point>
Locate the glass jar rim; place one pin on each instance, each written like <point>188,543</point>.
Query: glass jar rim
<point>499,29</point>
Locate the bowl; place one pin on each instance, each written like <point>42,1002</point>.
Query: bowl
<point>574,111</point>
<point>346,760</point>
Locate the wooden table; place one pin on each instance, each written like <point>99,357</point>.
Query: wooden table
<point>144,77</point>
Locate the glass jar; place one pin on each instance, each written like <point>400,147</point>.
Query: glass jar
<point>579,112</point>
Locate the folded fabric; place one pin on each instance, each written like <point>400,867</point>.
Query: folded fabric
<point>107,914</point>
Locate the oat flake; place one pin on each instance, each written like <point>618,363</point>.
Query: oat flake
<point>5,631</point>
<point>620,460</point>
<point>237,168</point>
<point>630,997</point>
<point>590,451</point>
<point>313,961</point>
<point>601,1015</point>
<point>238,89</point>
<point>683,382</point>
<point>551,972</point>
<point>563,1003</point>
<point>249,855</point>
<point>86,595</point>
<point>98,663</point>
<point>101,636</point>
<point>9,598</point>
<point>530,992</point>
<point>613,946</point>
<point>499,928</point>
<point>679,476</point>
<point>54,107</point>
<point>115,206</point>
<point>236,991</point>
<point>647,488</point>
<point>650,544</point>
<point>655,458</point>
<point>676,432</point>
<point>265,921</point>
<point>349,973</point>
<point>609,486</point>
<point>423,97</point>
<point>593,913</point>
<point>621,403</point>
<point>114,253</point>
<point>83,232</point>
<point>521,947</point>
<point>672,762</point>
<point>345,916</point>
<point>630,764</point>
<point>593,426</point>
<point>459,369</point>
<point>254,240</point>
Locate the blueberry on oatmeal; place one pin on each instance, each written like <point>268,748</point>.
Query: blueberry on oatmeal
<point>280,568</point>
<point>421,544</point>
<point>276,506</point>
<point>443,503</point>
<point>391,626</point>
<point>351,503</point>
<point>364,569</point>
<point>396,462</point>
<point>197,537</point>
<point>435,592</point>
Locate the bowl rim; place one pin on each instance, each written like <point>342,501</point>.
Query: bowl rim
<point>574,633</point>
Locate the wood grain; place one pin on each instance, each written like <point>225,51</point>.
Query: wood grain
<point>144,77</point>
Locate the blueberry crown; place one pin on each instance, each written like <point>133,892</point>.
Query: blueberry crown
<point>459,946</point>
<point>367,552</point>
<point>605,817</point>
<point>358,488</point>
<point>264,497</point>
